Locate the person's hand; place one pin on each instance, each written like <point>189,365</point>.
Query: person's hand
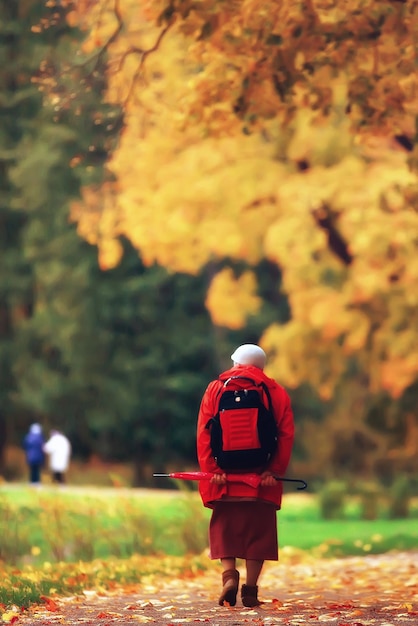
<point>218,479</point>
<point>268,480</point>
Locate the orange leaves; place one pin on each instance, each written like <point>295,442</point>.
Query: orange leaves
<point>409,87</point>
<point>50,604</point>
<point>356,591</point>
<point>72,19</point>
<point>397,373</point>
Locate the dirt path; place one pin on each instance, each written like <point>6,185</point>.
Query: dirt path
<point>360,591</point>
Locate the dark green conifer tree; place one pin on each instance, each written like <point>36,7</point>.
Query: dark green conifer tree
<point>19,104</point>
<point>117,359</point>
<point>46,270</point>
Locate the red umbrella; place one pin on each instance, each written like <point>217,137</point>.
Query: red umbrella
<point>249,479</point>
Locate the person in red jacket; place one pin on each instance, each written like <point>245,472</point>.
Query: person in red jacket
<point>243,523</point>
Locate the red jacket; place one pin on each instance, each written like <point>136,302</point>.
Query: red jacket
<point>279,462</point>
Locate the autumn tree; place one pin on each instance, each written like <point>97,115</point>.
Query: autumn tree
<point>284,131</point>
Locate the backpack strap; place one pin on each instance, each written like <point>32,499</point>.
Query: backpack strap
<point>267,392</point>
<point>228,380</point>
<point>252,381</point>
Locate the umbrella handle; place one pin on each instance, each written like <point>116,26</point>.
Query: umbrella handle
<point>304,484</point>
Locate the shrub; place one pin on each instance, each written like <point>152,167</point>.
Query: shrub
<point>14,542</point>
<point>194,526</point>
<point>15,467</point>
<point>332,500</point>
<point>400,495</point>
<point>370,496</point>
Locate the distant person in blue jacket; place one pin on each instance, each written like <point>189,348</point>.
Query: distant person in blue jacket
<point>33,445</point>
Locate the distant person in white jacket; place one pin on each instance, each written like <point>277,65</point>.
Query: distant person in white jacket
<point>58,449</point>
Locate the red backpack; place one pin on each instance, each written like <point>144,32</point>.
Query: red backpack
<point>243,433</point>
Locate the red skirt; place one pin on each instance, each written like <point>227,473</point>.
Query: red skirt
<point>244,530</point>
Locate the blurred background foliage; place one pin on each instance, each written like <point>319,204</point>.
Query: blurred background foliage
<point>119,359</point>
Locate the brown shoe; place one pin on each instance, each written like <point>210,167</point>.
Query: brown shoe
<point>249,595</point>
<point>230,581</point>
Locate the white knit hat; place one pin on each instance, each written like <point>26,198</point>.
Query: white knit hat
<point>249,354</point>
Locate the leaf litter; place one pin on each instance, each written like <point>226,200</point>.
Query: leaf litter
<point>357,591</point>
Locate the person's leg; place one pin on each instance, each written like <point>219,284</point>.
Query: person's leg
<point>36,473</point>
<point>253,571</point>
<point>230,581</point>
<point>228,563</point>
<point>249,591</point>
<point>221,543</point>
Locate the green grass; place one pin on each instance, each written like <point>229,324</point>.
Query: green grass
<point>349,537</point>
<point>301,527</point>
<point>59,525</point>
<point>61,541</point>
<point>73,524</point>
<point>28,585</point>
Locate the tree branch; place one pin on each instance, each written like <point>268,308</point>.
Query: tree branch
<point>144,54</point>
<point>336,242</point>
<point>99,55</point>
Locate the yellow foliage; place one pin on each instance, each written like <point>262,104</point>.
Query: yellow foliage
<point>296,354</point>
<point>397,374</point>
<point>231,300</point>
<point>110,254</point>
<point>358,331</point>
<point>269,130</point>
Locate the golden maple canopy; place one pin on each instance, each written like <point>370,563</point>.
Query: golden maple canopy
<point>279,130</point>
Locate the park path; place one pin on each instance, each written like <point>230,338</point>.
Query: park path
<point>357,591</point>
